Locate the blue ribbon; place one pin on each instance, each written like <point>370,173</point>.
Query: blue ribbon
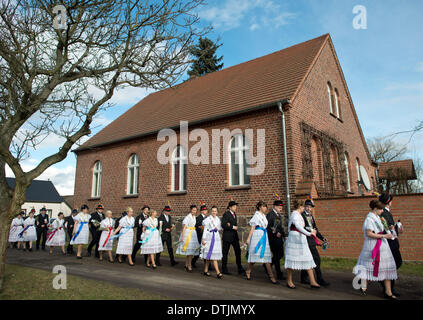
<point>126,229</point>
<point>20,234</point>
<point>81,224</point>
<point>262,242</point>
<point>149,236</point>
<point>209,254</point>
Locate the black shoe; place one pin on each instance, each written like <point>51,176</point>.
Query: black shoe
<point>78,257</point>
<point>323,283</point>
<point>393,297</point>
<point>293,287</point>
<point>226,272</point>
<point>88,254</point>
<point>396,293</point>
<point>158,264</point>
<point>305,281</point>
<point>30,249</point>
<point>314,287</point>
<point>207,274</point>
<point>173,263</point>
<point>241,272</point>
<point>97,256</point>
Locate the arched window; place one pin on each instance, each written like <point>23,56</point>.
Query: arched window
<point>347,172</point>
<point>179,169</point>
<point>334,166</point>
<point>357,165</point>
<point>330,97</point>
<point>336,100</point>
<point>133,173</point>
<point>96,183</point>
<point>316,152</point>
<point>238,155</point>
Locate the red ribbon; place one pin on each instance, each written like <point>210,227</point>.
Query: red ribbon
<point>314,237</point>
<point>376,256</point>
<point>108,236</point>
<point>52,233</point>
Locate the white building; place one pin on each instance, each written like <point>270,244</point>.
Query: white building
<point>43,194</point>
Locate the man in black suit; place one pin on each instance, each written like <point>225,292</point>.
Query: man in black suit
<point>310,224</point>
<point>41,223</point>
<point>138,224</point>
<point>386,199</point>
<point>95,220</point>
<point>167,226</point>
<point>69,224</point>
<point>230,237</point>
<point>276,230</point>
<point>199,228</point>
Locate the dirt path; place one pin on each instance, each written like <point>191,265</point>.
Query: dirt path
<point>175,283</point>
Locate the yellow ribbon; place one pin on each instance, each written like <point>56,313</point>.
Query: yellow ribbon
<point>188,238</point>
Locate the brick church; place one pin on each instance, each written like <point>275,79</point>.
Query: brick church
<point>298,95</point>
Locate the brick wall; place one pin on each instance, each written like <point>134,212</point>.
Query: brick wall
<point>341,221</point>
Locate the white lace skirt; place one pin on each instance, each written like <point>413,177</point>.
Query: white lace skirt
<point>193,247</point>
<point>297,253</point>
<point>83,236</point>
<point>255,257</point>
<point>30,234</point>
<point>154,244</point>
<point>217,247</point>
<point>387,267</point>
<point>14,234</point>
<point>125,243</point>
<point>56,240</point>
<point>109,244</point>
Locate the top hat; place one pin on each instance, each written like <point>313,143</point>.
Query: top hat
<point>43,209</point>
<point>232,203</point>
<point>84,206</point>
<point>100,206</point>
<point>167,208</point>
<point>22,213</point>
<point>385,198</point>
<point>278,203</point>
<point>145,207</point>
<point>308,202</point>
<point>203,207</point>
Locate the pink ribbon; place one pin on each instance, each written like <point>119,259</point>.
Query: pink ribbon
<point>376,256</point>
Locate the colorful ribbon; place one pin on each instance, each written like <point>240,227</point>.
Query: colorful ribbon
<point>149,236</point>
<point>376,256</point>
<point>81,224</point>
<point>262,242</point>
<point>20,234</point>
<point>312,235</point>
<point>211,244</point>
<point>188,238</point>
<point>126,229</point>
<point>108,236</point>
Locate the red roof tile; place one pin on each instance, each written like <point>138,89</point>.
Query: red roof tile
<point>397,170</point>
<point>259,82</point>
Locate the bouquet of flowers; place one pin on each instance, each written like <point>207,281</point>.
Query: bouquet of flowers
<point>244,246</point>
<point>385,225</point>
<point>95,223</point>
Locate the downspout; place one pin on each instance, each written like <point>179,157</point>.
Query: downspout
<point>285,154</point>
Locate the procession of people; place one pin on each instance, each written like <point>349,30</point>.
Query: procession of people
<point>208,237</point>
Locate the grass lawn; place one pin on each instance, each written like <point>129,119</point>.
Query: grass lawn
<point>23,283</point>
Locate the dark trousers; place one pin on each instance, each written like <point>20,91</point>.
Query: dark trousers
<point>168,241</point>
<point>94,242</point>
<point>69,248</point>
<point>276,247</point>
<point>395,249</point>
<point>225,250</point>
<point>137,246</point>
<point>316,258</point>
<point>41,233</point>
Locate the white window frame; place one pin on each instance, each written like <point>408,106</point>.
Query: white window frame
<point>336,97</point>
<point>357,164</point>
<point>347,171</point>
<point>330,97</point>
<point>133,165</point>
<point>182,159</point>
<point>96,182</point>
<point>242,150</point>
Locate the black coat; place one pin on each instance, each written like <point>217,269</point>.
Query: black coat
<point>95,216</point>
<point>229,234</point>
<point>40,220</point>
<point>138,224</point>
<point>309,226</point>
<point>70,223</point>
<point>387,215</point>
<point>165,225</point>
<point>274,223</point>
<point>199,227</point>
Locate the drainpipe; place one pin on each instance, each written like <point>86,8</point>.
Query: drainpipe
<point>285,154</point>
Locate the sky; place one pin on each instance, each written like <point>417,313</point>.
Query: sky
<point>382,64</point>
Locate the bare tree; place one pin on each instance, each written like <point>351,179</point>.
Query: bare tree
<point>58,73</point>
<point>385,150</point>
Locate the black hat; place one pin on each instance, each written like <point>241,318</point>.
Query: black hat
<point>203,207</point>
<point>74,211</point>
<point>278,203</point>
<point>232,203</point>
<point>100,206</point>
<point>167,208</point>
<point>144,207</point>
<point>192,206</point>
<point>385,198</point>
<point>22,213</point>
<point>84,206</point>
<point>124,213</point>
<point>43,209</point>
<point>308,202</point>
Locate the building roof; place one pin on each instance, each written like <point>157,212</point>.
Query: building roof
<point>397,170</point>
<point>247,86</point>
<point>69,200</point>
<point>39,191</point>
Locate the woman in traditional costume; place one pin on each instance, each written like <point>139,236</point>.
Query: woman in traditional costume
<point>126,236</point>
<point>258,242</point>
<point>188,241</point>
<point>57,237</point>
<point>81,231</point>
<point>16,229</point>
<point>212,243</point>
<point>376,262</point>
<point>151,240</point>
<point>297,252</point>
<point>29,232</point>
<point>106,243</point>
